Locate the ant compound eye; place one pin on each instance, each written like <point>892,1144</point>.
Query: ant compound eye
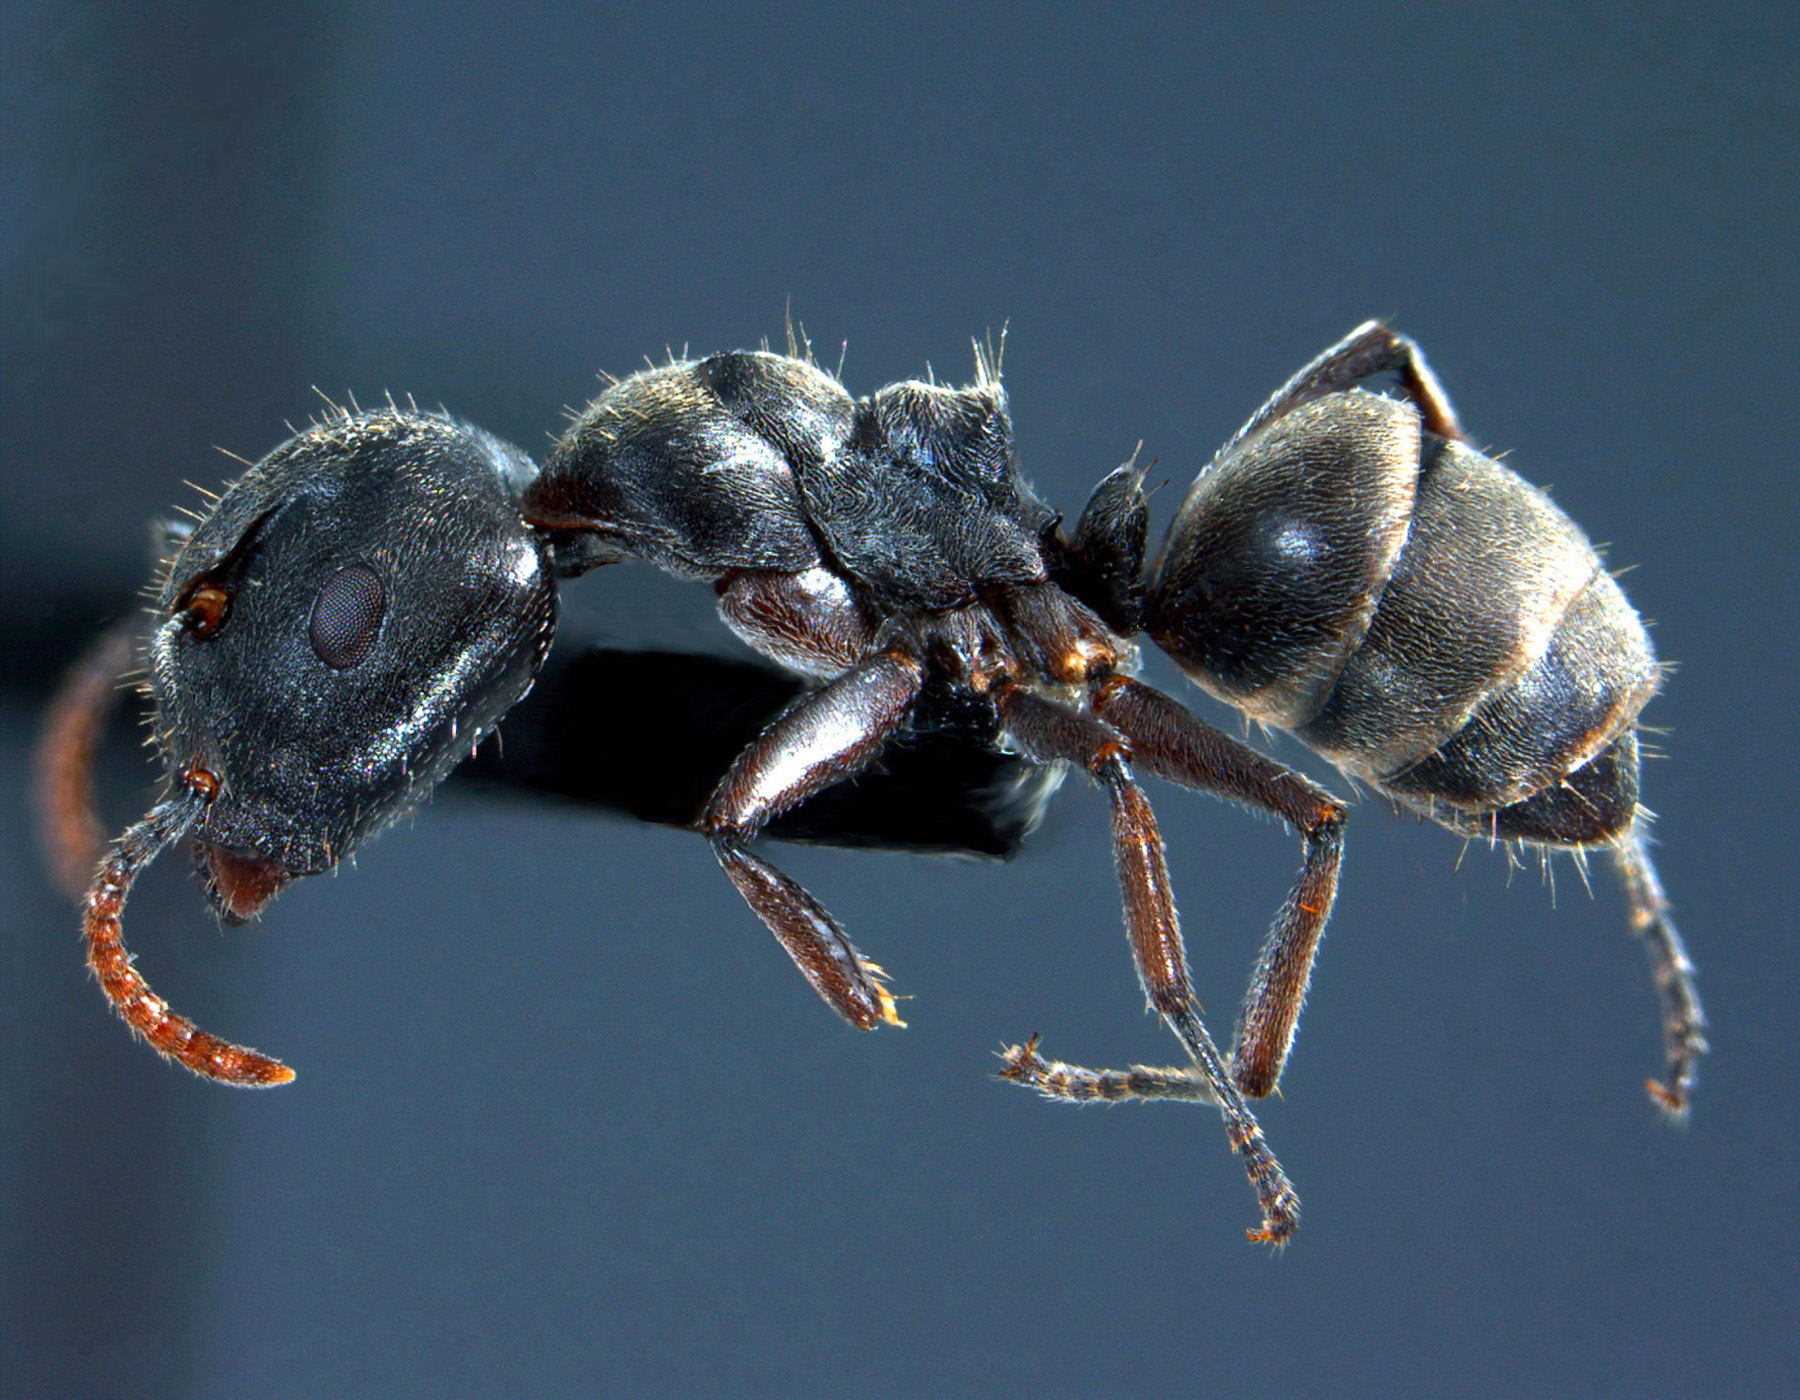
<point>347,616</point>
<point>206,608</point>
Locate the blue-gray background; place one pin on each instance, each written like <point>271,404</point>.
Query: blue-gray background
<point>567,1123</point>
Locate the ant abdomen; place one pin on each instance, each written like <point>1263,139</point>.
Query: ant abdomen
<point>1415,612</point>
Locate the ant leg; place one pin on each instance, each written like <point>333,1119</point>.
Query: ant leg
<point>1046,732</point>
<point>1369,350</point>
<point>1067,1083</point>
<point>1177,745</point>
<point>831,734</point>
<point>1684,1023</point>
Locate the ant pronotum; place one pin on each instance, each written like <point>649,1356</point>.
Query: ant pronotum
<point>366,602</point>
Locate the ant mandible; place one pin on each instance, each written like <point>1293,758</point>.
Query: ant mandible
<point>366,602</point>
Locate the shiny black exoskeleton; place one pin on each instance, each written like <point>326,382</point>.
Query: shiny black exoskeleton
<point>352,616</point>
<point>366,602</point>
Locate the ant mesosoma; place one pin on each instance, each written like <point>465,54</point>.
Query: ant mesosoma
<point>366,602</point>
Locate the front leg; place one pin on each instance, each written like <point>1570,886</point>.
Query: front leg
<point>832,734</point>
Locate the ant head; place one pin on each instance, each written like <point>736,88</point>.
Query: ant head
<point>348,622</point>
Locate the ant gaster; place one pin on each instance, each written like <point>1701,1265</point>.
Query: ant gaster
<point>367,602</point>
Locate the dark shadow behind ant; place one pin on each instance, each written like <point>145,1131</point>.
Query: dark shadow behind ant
<point>352,617</point>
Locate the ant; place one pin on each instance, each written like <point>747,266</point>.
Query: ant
<point>365,603</point>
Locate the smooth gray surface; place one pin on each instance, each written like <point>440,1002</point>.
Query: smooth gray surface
<point>567,1123</point>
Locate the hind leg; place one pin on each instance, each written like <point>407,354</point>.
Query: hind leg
<point>1684,1022</point>
<point>1369,350</point>
<point>1596,807</point>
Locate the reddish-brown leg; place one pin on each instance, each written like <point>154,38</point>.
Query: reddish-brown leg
<point>145,1012</point>
<point>1047,731</point>
<point>830,735</point>
<point>1369,350</point>
<point>1684,1022</point>
<point>1174,744</point>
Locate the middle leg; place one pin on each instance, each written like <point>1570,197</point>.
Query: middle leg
<point>1178,745</point>
<point>1047,732</point>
